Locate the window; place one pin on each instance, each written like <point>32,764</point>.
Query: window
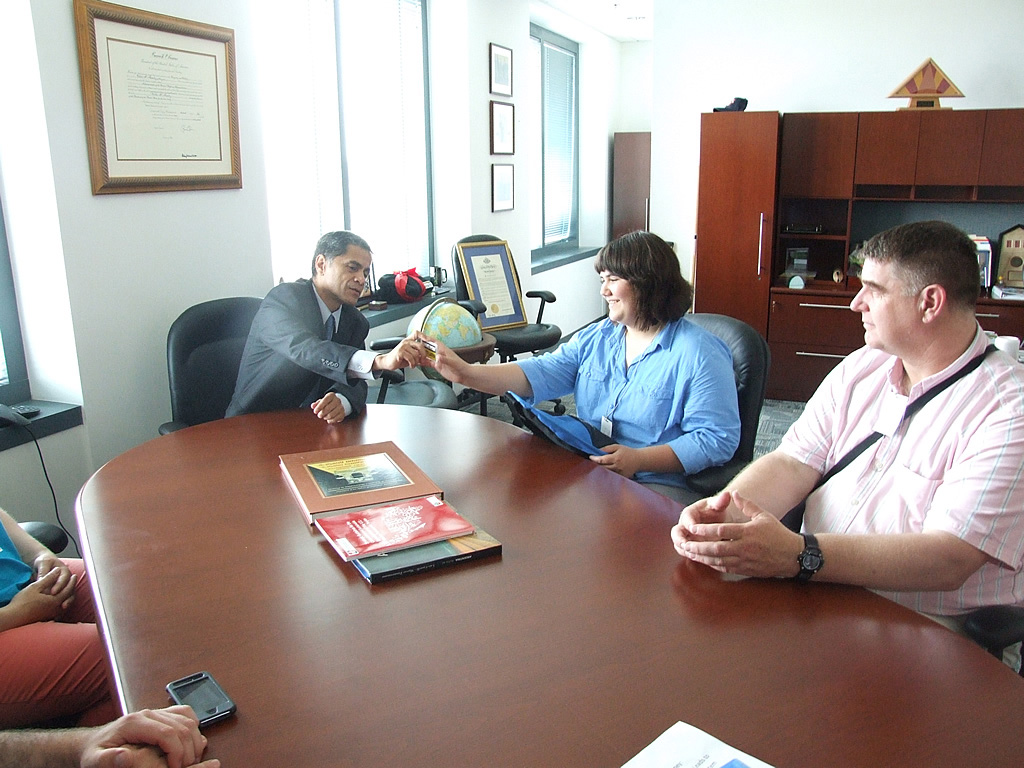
<point>13,372</point>
<point>382,84</point>
<point>554,214</point>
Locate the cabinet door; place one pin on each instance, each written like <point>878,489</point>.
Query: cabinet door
<point>818,154</point>
<point>887,148</point>
<point>949,148</point>
<point>1002,161</point>
<point>631,182</point>
<point>736,214</point>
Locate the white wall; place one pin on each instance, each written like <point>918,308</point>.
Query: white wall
<point>807,55</point>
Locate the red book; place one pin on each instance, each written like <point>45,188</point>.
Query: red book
<point>388,528</point>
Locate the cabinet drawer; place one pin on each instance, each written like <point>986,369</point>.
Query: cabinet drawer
<point>798,369</point>
<point>1001,319</point>
<point>814,320</point>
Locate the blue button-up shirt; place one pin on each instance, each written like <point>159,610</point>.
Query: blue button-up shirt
<point>681,391</point>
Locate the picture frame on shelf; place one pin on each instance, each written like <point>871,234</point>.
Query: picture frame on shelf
<point>501,70</point>
<point>503,182</point>
<point>503,128</point>
<point>160,100</point>
<point>491,278</point>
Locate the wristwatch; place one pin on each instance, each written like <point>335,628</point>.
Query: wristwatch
<point>811,559</point>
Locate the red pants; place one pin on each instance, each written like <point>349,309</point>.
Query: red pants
<point>56,669</point>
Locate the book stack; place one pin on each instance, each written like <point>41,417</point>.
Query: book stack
<point>381,512</point>
<point>1007,292</point>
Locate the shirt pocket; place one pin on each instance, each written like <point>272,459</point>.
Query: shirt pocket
<point>915,493</point>
<point>648,407</point>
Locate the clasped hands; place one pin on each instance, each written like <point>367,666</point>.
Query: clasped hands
<point>733,535</point>
<point>47,596</point>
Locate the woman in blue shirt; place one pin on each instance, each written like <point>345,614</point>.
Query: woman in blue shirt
<point>52,662</point>
<point>660,386</point>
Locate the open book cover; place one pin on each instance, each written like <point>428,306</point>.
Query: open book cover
<point>354,477</point>
<point>392,527</point>
<point>427,557</point>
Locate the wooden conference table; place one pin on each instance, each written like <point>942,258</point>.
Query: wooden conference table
<point>580,645</point>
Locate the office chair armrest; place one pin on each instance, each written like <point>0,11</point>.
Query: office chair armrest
<point>171,426</point>
<point>995,627</point>
<point>546,297</point>
<point>473,306</point>
<point>386,344</point>
<point>49,535</point>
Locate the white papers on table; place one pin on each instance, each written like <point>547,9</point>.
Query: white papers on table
<point>683,746</point>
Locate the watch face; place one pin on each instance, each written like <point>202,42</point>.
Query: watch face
<point>810,561</point>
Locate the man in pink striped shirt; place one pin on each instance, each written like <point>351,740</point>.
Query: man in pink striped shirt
<point>931,514</point>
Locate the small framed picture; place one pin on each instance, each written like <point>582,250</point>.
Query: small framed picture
<point>503,128</point>
<point>503,186</point>
<point>501,70</point>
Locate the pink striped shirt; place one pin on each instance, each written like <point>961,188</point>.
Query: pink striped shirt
<point>956,466</point>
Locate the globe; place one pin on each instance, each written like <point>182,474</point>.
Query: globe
<point>448,322</point>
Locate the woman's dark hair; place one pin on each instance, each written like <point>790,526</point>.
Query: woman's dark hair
<point>651,267</point>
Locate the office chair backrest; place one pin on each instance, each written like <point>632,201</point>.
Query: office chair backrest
<point>204,350</point>
<point>750,361</point>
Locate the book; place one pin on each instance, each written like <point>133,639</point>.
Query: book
<point>683,746</point>
<point>1007,292</point>
<point>403,524</point>
<point>353,477</point>
<point>427,557</point>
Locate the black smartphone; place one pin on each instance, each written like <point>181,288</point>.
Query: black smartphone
<point>201,692</point>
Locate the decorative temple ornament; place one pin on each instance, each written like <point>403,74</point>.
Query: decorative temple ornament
<point>925,86</point>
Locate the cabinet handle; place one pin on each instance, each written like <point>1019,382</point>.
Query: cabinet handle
<point>760,242</point>
<point>986,314</point>
<point>647,214</point>
<point>821,354</point>
<point>826,306</point>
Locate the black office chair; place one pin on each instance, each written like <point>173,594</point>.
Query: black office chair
<point>750,361</point>
<point>204,351</point>
<point>392,387</point>
<point>510,342</point>
<point>49,535</point>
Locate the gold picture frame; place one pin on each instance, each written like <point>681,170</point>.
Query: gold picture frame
<point>160,100</point>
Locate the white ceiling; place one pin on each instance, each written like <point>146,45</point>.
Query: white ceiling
<point>624,20</point>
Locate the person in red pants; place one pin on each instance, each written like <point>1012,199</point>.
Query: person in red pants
<point>52,660</point>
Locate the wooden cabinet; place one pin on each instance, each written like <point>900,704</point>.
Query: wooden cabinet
<point>816,166</point>
<point>818,154</point>
<point>840,177</point>
<point>809,333</point>
<point>1001,172</point>
<point>949,150</point>
<point>1002,318</point>
<point>631,183</point>
<point>736,214</point>
<point>886,150</point>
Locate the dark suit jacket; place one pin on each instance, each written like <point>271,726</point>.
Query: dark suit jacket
<point>287,362</point>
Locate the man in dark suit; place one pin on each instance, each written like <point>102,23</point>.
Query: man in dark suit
<point>305,347</point>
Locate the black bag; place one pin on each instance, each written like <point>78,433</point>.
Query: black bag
<point>402,286</point>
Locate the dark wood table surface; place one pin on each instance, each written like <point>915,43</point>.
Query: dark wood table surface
<point>580,645</point>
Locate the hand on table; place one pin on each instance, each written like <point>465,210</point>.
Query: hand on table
<point>758,545</point>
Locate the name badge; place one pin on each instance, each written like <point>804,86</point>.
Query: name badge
<point>891,413</point>
<point>606,426</point>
